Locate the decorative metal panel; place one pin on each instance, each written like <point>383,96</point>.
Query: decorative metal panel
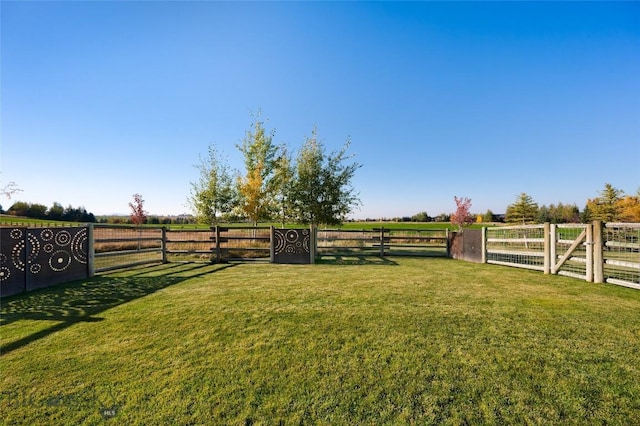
<point>291,246</point>
<point>36,258</point>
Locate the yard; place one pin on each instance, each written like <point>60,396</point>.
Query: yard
<point>347,341</point>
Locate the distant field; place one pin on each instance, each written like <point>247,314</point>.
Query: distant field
<point>351,340</point>
<point>12,220</point>
<point>6,220</point>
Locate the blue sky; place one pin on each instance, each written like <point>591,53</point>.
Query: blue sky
<point>101,100</point>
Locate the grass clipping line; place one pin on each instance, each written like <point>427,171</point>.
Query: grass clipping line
<point>420,341</point>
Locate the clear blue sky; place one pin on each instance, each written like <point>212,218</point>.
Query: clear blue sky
<point>101,100</point>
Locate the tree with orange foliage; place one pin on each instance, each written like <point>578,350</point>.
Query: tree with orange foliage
<point>630,208</point>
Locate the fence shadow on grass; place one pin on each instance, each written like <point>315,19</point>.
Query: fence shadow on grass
<point>352,259</point>
<point>82,301</point>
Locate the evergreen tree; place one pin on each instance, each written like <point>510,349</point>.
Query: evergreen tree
<point>524,210</point>
<point>607,207</point>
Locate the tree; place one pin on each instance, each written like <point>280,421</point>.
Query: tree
<point>420,217</point>
<point>462,217</point>
<point>488,216</point>
<point>322,191</point>
<point>138,215</point>
<point>524,210</point>
<point>56,211</point>
<point>19,208</point>
<point>281,184</point>
<point>9,190</point>
<point>214,193</point>
<point>253,195</point>
<point>587,214</point>
<point>630,208</point>
<point>606,207</point>
<point>259,159</point>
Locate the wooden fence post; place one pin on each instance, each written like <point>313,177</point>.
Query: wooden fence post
<point>313,243</point>
<point>446,234</point>
<point>547,248</point>
<point>272,248</point>
<point>484,244</point>
<point>589,253</point>
<point>553,246</point>
<point>382,241</point>
<point>598,259</point>
<point>163,244</point>
<point>216,231</point>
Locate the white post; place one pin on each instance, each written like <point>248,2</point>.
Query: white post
<point>589,253</point>
<point>547,247</point>
<point>598,258</point>
<point>553,247</point>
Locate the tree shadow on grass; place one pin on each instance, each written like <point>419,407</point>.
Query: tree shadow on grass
<point>81,301</point>
<point>352,259</point>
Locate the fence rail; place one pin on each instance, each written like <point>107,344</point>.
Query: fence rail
<point>118,247</point>
<point>382,242</point>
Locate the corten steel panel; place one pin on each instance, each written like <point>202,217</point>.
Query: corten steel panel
<point>291,246</point>
<point>472,245</point>
<point>12,261</point>
<point>44,257</point>
<point>59,255</point>
<point>466,245</point>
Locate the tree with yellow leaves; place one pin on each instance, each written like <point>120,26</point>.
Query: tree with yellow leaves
<point>630,208</point>
<point>259,158</point>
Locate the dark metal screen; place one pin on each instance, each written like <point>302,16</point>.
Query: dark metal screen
<point>291,246</point>
<point>33,258</point>
<point>466,245</point>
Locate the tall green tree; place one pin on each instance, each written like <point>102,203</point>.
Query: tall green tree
<point>281,184</point>
<point>56,211</point>
<point>322,190</point>
<point>258,150</point>
<point>606,207</point>
<point>524,210</point>
<point>214,193</point>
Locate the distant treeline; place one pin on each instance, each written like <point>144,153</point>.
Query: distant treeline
<point>55,212</point>
<point>150,220</point>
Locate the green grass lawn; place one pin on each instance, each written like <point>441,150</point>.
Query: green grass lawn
<point>347,341</point>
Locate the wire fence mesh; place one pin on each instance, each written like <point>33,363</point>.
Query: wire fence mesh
<point>621,253</point>
<point>520,246</point>
<point>120,246</point>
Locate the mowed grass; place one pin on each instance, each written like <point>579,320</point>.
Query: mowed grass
<point>347,341</point>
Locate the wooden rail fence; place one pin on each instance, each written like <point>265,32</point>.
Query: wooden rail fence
<point>593,252</point>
